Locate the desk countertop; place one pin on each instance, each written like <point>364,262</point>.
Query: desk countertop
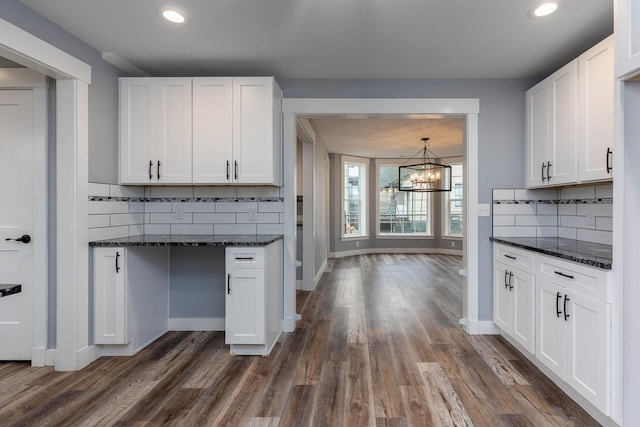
<point>191,240</point>
<point>592,254</point>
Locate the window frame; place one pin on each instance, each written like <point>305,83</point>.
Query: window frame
<point>429,234</point>
<point>364,199</point>
<point>446,201</point>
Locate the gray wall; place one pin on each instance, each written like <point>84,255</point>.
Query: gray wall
<point>103,92</point>
<point>501,135</point>
<point>320,205</point>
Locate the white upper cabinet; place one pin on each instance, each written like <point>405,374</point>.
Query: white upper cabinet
<point>569,122</point>
<point>155,131</point>
<point>595,120</point>
<point>551,130</point>
<point>237,131</point>
<point>212,130</point>
<point>627,31</point>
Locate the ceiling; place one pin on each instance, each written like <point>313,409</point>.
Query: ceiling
<point>328,39</point>
<point>390,137</point>
<point>422,39</point>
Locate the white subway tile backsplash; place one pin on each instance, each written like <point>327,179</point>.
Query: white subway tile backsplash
<point>604,224</point>
<point>270,206</point>
<point>547,209</point>
<point>157,229</point>
<point>214,218</point>
<point>157,207</point>
<point>514,231</point>
<point>578,193</point>
<point>512,209</point>
<point>106,207</point>
<point>170,218</point>
<point>127,219</point>
<point>547,232</point>
<point>136,207</point>
<point>595,209</point>
<point>234,228</point>
<point>499,194</point>
<point>595,236</point>
<point>236,206</point>
<point>567,209</point>
<point>567,233</point>
<point>575,222</point>
<point>258,191</point>
<point>194,206</point>
<point>540,194</point>
<point>98,190</point>
<point>136,230</point>
<point>159,192</point>
<point>214,192</point>
<point>536,220</point>
<point>261,218</point>
<point>191,228</point>
<point>108,233</point>
<point>270,228</point>
<point>126,191</point>
<point>96,221</point>
<point>504,220</point>
<point>604,191</point>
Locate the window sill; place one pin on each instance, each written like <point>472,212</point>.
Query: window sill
<point>445,237</point>
<point>405,236</point>
<point>348,238</point>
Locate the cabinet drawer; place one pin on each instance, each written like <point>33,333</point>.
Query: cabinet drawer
<point>514,257</point>
<point>244,257</point>
<point>589,281</point>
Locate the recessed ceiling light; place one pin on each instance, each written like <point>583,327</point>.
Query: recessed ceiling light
<point>545,9</point>
<point>173,16</point>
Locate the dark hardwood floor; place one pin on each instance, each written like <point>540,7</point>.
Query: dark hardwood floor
<point>379,345</point>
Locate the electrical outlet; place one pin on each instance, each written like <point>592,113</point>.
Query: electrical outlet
<point>591,219</point>
<point>253,214</point>
<point>484,209</point>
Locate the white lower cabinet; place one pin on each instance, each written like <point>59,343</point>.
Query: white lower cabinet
<point>513,304</point>
<point>559,312</point>
<point>109,296</point>
<point>574,340</point>
<point>253,302</point>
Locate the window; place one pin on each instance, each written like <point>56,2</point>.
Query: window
<point>453,203</point>
<point>354,196</point>
<point>400,213</point>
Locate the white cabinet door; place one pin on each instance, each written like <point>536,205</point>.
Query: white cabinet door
<point>595,130</point>
<point>523,309</point>
<point>537,134</point>
<point>501,297</point>
<point>155,131</point>
<point>245,306</point>
<point>627,31</point>
<point>589,348</point>
<point>138,127</point>
<point>550,326</point>
<point>563,125</point>
<point>109,296</point>
<point>253,130</point>
<point>174,143</point>
<point>212,130</point>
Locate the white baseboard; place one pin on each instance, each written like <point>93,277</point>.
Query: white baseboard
<point>319,274</point>
<point>38,356</point>
<point>480,327</point>
<point>299,285</point>
<point>52,355</point>
<point>196,324</point>
<point>368,251</point>
<point>289,324</point>
<point>86,356</point>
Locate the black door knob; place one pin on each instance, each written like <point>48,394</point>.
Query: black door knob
<point>25,238</point>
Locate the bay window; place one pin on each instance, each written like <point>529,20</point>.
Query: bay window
<point>354,197</point>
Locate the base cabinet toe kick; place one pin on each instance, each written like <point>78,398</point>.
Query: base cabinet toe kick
<point>132,298</point>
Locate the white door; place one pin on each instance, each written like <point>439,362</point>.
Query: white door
<point>563,125</point>
<point>550,326</point>
<point>16,220</point>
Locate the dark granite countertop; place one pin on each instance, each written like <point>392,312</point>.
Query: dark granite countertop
<point>592,254</point>
<point>191,240</point>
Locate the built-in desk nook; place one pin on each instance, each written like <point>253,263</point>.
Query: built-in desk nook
<point>144,286</point>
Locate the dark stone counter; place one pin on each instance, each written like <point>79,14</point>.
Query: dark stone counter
<point>191,240</point>
<point>592,254</point>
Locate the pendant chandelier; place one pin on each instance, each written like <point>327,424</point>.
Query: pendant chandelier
<point>424,177</point>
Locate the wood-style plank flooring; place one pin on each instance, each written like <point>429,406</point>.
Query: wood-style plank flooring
<point>379,345</point>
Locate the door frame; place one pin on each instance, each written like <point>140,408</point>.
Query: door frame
<point>25,79</point>
<point>73,78</point>
<point>468,108</point>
